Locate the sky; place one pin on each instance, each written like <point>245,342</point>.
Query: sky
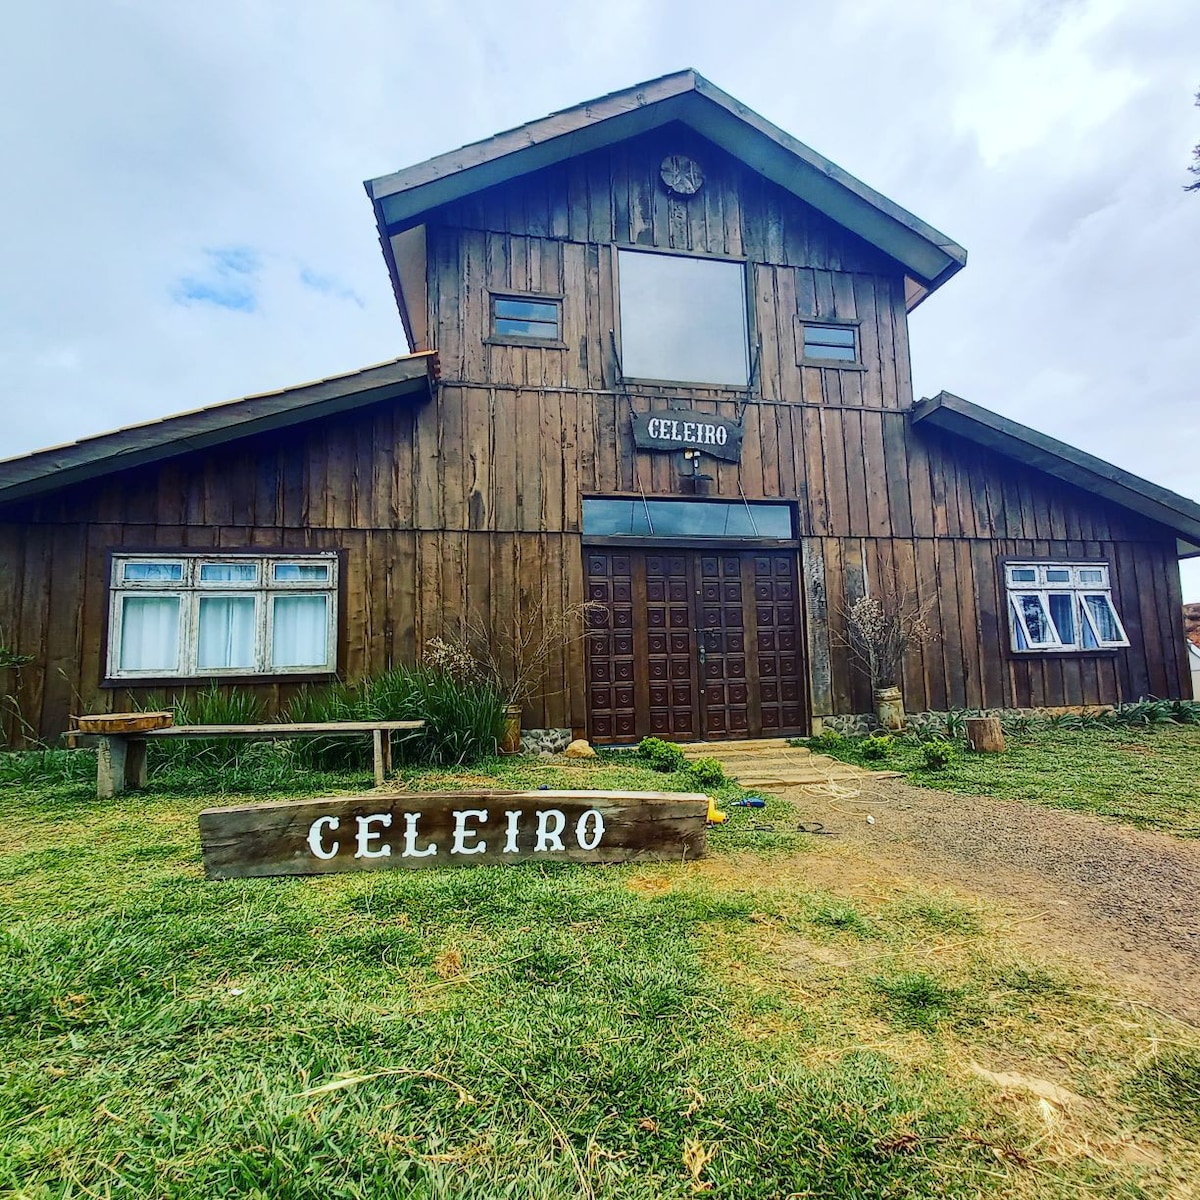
<point>184,220</point>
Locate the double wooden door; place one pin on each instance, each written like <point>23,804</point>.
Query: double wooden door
<point>692,645</point>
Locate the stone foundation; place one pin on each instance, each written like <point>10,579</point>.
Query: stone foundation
<point>544,741</point>
<point>860,724</point>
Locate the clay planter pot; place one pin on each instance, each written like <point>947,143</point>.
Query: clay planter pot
<point>510,743</point>
<point>889,708</point>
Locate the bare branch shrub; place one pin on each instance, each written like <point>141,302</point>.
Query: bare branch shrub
<point>880,628</point>
<point>515,654</point>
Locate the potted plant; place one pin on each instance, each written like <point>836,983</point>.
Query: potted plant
<point>880,630</point>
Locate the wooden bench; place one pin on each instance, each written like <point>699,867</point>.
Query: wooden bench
<point>121,757</point>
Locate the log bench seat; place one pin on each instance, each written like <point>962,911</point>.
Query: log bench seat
<point>121,757</point>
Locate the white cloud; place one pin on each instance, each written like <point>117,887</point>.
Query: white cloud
<point>1051,139</point>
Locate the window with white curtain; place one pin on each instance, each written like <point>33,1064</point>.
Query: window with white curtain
<point>184,615</point>
<point>1061,606</point>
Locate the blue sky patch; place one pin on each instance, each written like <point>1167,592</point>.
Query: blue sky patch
<point>329,285</point>
<point>228,280</point>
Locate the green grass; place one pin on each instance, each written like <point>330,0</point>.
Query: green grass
<point>1145,776</point>
<point>547,1031</point>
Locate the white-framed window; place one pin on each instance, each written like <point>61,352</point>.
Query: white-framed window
<point>1061,606</point>
<point>188,615</point>
<point>683,318</point>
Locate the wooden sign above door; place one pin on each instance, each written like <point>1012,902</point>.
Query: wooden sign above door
<point>666,430</point>
<point>448,829</point>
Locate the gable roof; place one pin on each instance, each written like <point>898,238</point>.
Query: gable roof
<point>955,415</point>
<point>404,199</point>
<point>153,441</point>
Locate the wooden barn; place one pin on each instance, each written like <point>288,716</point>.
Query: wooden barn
<point>661,362</point>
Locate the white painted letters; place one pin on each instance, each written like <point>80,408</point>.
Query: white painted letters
<point>367,835</point>
<point>585,840</point>
<point>550,838</point>
<point>510,838</point>
<point>314,837</point>
<point>461,832</point>
<point>410,839</point>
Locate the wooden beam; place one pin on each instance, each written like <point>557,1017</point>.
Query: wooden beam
<point>430,829</point>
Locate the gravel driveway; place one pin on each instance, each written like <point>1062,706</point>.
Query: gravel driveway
<point>1128,900</point>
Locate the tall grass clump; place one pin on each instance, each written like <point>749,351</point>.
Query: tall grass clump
<point>212,705</point>
<point>464,719</point>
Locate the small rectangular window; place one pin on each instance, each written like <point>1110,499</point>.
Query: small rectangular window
<point>827,342</point>
<point>229,572</point>
<point>293,572</point>
<point>152,572</point>
<point>190,615</point>
<point>1062,607</point>
<point>527,319</point>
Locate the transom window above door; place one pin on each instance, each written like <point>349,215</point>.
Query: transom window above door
<point>191,615</point>
<point>618,517</point>
<point>683,318</point>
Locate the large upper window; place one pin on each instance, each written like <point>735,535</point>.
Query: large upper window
<point>1061,606</point>
<point>683,319</point>
<point>184,615</point>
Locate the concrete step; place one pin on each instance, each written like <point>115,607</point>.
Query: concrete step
<point>718,749</point>
<point>744,756</point>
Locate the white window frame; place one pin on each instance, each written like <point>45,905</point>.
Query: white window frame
<point>1041,580</point>
<point>191,588</point>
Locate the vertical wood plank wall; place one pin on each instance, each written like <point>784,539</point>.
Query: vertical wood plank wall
<point>472,504</point>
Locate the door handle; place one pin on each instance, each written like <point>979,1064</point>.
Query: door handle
<point>703,653</point>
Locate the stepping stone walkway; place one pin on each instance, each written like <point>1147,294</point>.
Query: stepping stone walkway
<point>772,763</point>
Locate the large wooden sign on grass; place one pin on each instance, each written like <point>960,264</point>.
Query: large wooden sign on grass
<point>446,829</point>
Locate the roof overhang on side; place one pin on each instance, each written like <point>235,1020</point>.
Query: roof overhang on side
<point>138,445</point>
<point>953,414</point>
<point>403,200</point>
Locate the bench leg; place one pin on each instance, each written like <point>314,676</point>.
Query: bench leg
<point>377,736</point>
<point>135,763</point>
<point>111,756</point>
<point>387,752</point>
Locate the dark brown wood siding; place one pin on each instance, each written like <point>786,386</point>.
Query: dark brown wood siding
<point>472,504</point>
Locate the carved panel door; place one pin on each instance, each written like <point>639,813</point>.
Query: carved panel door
<point>693,645</point>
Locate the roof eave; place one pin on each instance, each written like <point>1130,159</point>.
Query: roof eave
<point>57,467</point>
<point>953,414</point>
<point>404,198</point>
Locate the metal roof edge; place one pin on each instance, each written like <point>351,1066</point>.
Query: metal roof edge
<point>403,197</point>
<point>55,467</point>
<point>952,414</point>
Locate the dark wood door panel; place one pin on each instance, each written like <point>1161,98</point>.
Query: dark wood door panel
<point>611,649</point>
<point>670,647</point>
<point>727,696</point>
<point>694,644</point>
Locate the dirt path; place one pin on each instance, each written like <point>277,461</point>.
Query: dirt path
<point>1129,901</point>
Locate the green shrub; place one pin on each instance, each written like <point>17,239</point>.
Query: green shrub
<point>708,772</point>
<point>1157,712</point>
<point>937,754</point>
<point>877,747</point>
<point>464,719</point>
<point>827,741</point>
<point>662,756</point>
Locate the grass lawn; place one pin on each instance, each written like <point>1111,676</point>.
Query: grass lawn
<point>747,1025</point>
<point>1145,776</point>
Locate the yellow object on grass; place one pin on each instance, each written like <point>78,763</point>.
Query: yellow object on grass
<point>715,815</point>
